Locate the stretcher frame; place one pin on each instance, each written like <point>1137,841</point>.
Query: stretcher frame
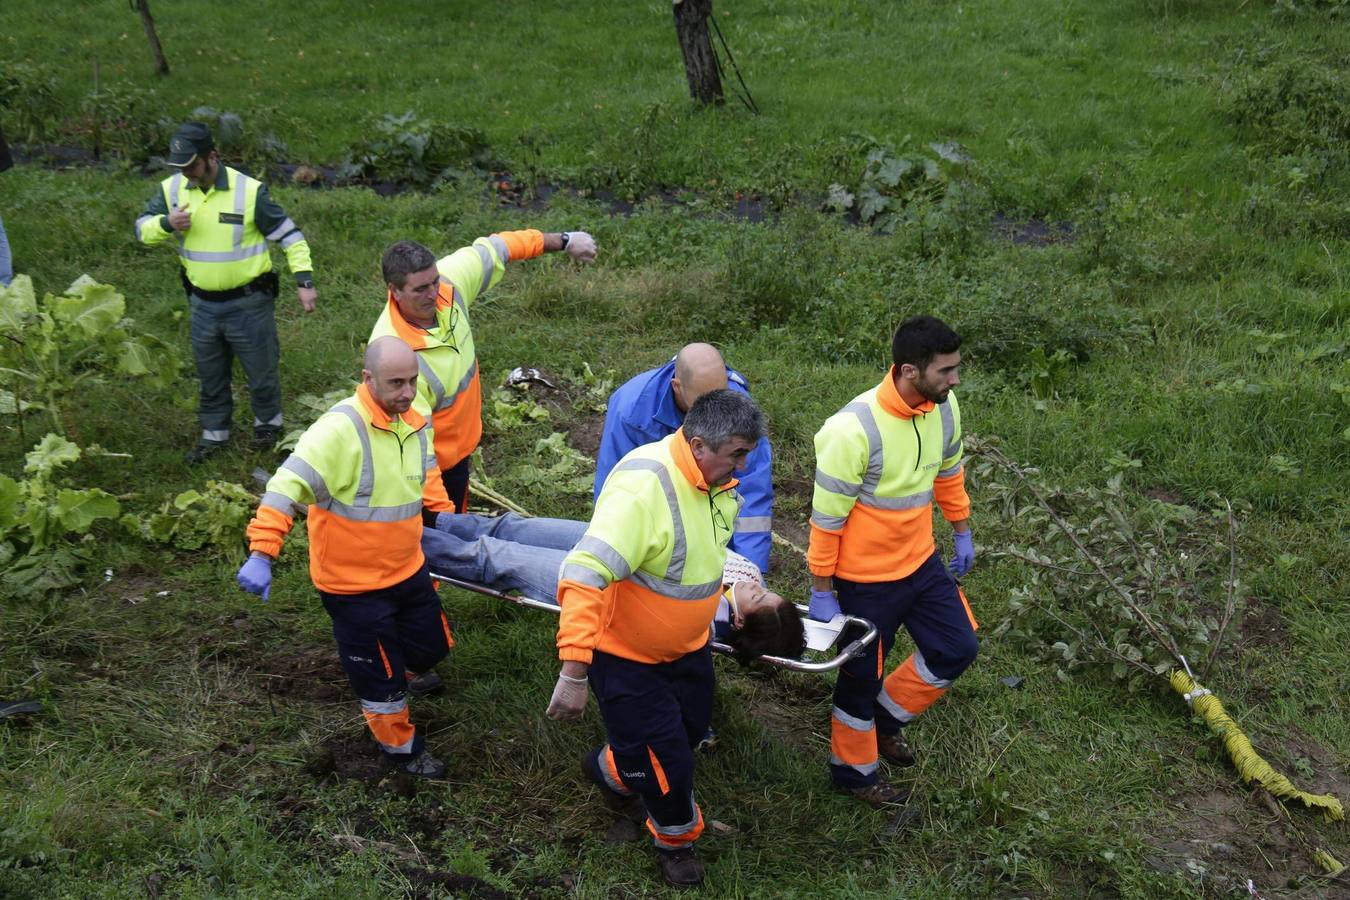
<point>853,649</point>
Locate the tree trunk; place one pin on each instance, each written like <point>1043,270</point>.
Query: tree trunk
<point>700,65</point>
<point>143,7</point>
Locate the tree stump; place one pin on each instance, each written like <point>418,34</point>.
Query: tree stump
<point>700,64</point>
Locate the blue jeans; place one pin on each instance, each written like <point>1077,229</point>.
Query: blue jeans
<point>507,552</point>
<point>6,261</point>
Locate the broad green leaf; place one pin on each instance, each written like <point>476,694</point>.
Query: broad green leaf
<point>9,407</point>
<point>186,499</point>
<point>77,510</point>
<point>52,452</point>
<point>9,503</point>
<point>95,309</point>
<point>160,526</point>
<point>17,303</point>
<point>872,203</point>
<point>134,358</point>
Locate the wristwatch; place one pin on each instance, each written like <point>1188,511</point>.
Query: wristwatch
<point>566,236</point>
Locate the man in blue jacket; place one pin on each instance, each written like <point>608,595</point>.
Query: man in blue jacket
<point>652,405</point>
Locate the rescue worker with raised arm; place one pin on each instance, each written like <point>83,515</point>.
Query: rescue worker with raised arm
<point>428,308</point>
<point>220,221</point>
<point>881,461</point>
<point>366,475</point>
<point>638,594</point>
<point>651,405</point>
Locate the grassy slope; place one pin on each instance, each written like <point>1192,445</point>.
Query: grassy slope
<point>142,769</point>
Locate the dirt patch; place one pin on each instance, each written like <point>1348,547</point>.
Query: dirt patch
<point>1222,839</point>
<point>1165,495</point>
<point>1262,627</point>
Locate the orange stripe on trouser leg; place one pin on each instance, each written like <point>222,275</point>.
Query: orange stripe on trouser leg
<point>970,614</point>
<point>683,839</point>
<point>392,730</point>
<point>851,746</point>
<point>445,623</point>
<point>881,660</point>
<point>660,772</point>
<point>388,669</point>
<point>611,772</point>
<point>906,688</point>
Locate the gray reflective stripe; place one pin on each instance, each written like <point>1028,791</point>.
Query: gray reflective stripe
<point>865,769</point>
<point>465,381</point>
<point>405,747</point>
<point>437,388</point>
<point>485,257</point>
<point>901,714</point>
<point>281,230</point>
<point>910,501</point>
<point>947,473</point>
<point>615,785</point>
<point>674,590</point>
<point>223,255</point>
<point>216,434</point>
<point>925,673</point>
<point>829,523</point>
<point>385,708</point>
<point>951,451</point>
<point>367,513</point>
<point>853,722</point>
<point>240,189</point>
<point>279,501</point>
<point>837,485</point>
<point>875,459</point>
<point>674,571</point>
<point>294,237</point>
<point>310,476</point>
<point>606,554</point>
<point>422,442</point>
<point>582,575</point>
<point>367,482</point>
<point>949,442</point>
<point>754,523</point>
<point>275,420</point>
<point>175,181</point>
<point>677,830</point>
<point>499,244</point>
<point>141,221</point>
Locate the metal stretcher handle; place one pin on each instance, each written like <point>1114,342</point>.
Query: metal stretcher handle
<point>854,647</point>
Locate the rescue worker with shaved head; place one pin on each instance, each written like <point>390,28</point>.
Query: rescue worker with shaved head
<point>366,475</point>
<point>652,404</point>
<point>428,308</point>
<point>881,462</point>
<point>638,594</point>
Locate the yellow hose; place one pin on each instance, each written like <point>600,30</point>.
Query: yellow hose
<point>1249,763</point>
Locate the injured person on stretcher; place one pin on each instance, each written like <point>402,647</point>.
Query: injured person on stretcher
<point>518,553</point>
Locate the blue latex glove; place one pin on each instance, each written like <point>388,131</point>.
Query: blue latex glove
<point>823,606</point>
<point>255,576</point>
<point>964,556</point>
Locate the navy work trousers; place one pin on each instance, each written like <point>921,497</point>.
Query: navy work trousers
<point>243,328</point>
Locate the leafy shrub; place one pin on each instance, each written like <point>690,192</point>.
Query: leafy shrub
<point>421,153</point>
<point>1293,106</point>
<point>37,513</point>
<point>72,341</point>
<point>253,150</point>
<point>213,517</point>
<point>28,96</point>
<point>123,120</point>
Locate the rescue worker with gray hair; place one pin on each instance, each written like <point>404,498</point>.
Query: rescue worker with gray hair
<point>220,220</point>
<point>881,462</point>
<point>638,594</point>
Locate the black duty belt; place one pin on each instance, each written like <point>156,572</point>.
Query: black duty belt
<point>266,283</point>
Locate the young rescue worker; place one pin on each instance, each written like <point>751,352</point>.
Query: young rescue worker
<point>638,594</point>
<point>652,404</point>
<point>881,461</point>
<point>220,221</point>
<point>428,307</point>
<point>367,475</point>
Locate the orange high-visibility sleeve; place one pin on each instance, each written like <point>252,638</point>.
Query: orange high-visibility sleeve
<point>525,244</point>
<point>585,611</point>
<point>823,552</point>
<point>268,530</point>
<point>950,494</point>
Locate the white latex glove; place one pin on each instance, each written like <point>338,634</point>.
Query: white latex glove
<point>581,246</point>
<point>569,698</point>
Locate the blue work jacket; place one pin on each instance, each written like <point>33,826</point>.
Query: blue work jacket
<point>643,410</point>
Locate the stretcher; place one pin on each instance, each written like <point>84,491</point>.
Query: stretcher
<point>820,636</point>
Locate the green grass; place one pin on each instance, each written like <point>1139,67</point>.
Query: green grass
<point>186,746</point>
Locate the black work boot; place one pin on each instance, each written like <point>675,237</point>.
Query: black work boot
<point>424,685</point>
<point>423,765</point>
<point>265,437</point>
<point>681,867</point>
<point>624,804</point>
<point>881,795</point>
<point>205,450</point>
<point>895,748</point>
